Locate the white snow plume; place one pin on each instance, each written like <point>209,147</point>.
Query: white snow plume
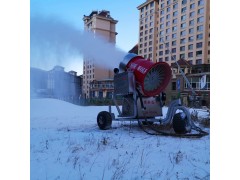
<point>55,42</point>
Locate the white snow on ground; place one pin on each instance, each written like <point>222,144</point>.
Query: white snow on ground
<point>66,143</point>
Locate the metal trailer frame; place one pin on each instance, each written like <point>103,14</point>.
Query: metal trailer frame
<point>125,85</point>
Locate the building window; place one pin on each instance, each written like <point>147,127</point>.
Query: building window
<point>175,13</point>
<point>184,2</point>
<point>183,25</point>
<point>150,43</point>
<point>174,43</point>
<point>146,31</point>
<point>184,9</point>
<point>162,12</point>
<point>191,23</point>
<point>168,9</point>
<point>201,11</point>
<point>183,18</point>
<point>192,14</point>
<point>151,17</point>
<point>166,51</point>
<point>161,26</point>
<point>167,38</point>
<point>200,19</point>
<point>168,23</point>
<point>174,28</point>
<point>183,33</point>
<point>150,36</point>
<point>192,6</point>
<point>141,33</point>
<point>182,41</point>
<point>199,36</point>
<point>146,25</point>
<point>198,61</point>
<point>168,31</point>
<point>200,2</point>
<point>174,57</point>
<point>174,36</point>
<point>161,46</point>
<point>160,60</point>
<point>200,28</point>
<point>175,6</point>
<point>160,53</point>
<point>190,47</point>
<point>150,49</point>
<point>190,39</point>
<point>151,4</point>
<point>161,19</point>
<point>161,33</point>
<point>191,30</point>
<point>168,2</point>
<point>182,56</point>
<point>198,53</point>
<point>199,45</point>
<point>182,48</point>
<point>168,16</point>
<point>162,5</point>
<point>166,58</point>
<point>173,50</point>
<point>174,21</point>
<point>151,30</point>
<point>190,54</point>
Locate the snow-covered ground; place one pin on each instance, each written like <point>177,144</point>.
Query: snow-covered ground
<point>66,143</point>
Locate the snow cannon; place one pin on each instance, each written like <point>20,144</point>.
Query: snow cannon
<point>151,78</point>
<point>139,95</point>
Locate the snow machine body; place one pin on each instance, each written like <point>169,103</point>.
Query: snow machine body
<point>138,96</point>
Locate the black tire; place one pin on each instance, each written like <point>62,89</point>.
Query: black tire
<point>147,123</point>
<point>179,124</point>
<point>104,120</point>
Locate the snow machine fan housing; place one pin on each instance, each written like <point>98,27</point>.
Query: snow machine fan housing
<point>151,78</point>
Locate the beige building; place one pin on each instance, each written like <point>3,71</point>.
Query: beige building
<point>100,23</point>
<point>180,27</point>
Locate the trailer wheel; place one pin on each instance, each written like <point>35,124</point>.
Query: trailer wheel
<point>104,120</point>
<point>147,123</point>
<point>179,123</point>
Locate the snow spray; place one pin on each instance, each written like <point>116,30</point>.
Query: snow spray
<point>55,42</point>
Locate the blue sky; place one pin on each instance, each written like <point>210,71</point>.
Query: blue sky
<point>72,11</point>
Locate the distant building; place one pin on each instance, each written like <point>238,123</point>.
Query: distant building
<point>134,49</point>
<point>181,27</point>
<point>178,87</point>
<point>100,23</point>
<point>172,30</point>
<point>101,88</point>
<point>56,83</point>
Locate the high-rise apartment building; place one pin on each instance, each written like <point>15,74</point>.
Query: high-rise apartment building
<point>177,27</point>
<point>100,23</point>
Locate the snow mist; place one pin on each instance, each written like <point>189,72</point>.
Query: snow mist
<point>55,42</point>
